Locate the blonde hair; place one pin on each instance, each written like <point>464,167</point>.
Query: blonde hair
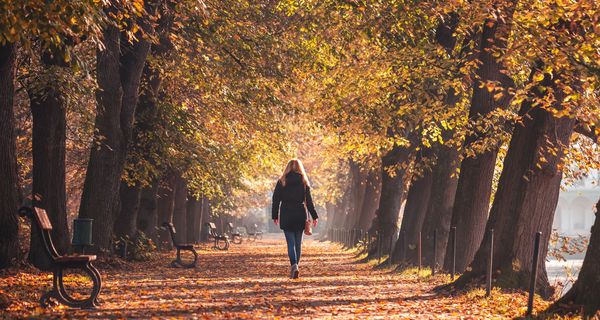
<point>295,165</point>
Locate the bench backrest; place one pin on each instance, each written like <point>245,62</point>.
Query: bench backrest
<point>171,228</point>
<point>44,226</point>
<point>212,228</point>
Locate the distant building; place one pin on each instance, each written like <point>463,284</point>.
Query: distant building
<point>574,212</point>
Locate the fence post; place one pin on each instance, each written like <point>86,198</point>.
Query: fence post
<point>453,239</point>
<point>488,274</point>
<point>419,251</point>
<point>534,272</point>
<point>433,258</point>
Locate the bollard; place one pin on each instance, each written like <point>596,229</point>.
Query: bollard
<point>433,262</point>
<point>453,243</point>
<point>488,274</point>
<point>419,251</point>
<point>534,272</point>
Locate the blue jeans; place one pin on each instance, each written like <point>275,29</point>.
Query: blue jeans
<point>294,245</point>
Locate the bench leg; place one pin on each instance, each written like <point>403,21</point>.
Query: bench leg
<point>225,245</point>
<point>183,264</point>
<point>61,294</point>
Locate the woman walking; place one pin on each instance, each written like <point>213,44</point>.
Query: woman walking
<point>291,201</point>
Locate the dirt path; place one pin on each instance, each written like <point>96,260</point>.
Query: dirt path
<point>250,281</point>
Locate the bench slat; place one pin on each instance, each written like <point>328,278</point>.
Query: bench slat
<point>42,218</point>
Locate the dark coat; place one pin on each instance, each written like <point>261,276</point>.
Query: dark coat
<point>288,203</point>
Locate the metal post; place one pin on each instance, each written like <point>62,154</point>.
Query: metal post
<point>488,274</point>
<point>419,250</point>
<point>433,262</point>
<point>453,239</point>
<point>534,272</point>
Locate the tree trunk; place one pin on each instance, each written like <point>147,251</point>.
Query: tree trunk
<point>148,213</point>
<point>9,195</point>
<point>126,222</point>
<point>392,192</point>
<point>205,219</point>
<point>439,207</point>
<point>357,194</point>
<point>119,69</point>
<point>165,206</point>
<point>527,195</point>
<point>371,200</point>
<point>193,218</point>
<point>586,290</point>
<point>48,147</point>
<point>330,209</point>
<point>180,208</point>
<point>413,217</point>
<point>471,204</point>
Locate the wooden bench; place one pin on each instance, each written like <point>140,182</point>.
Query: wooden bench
<point>221,240</point>
<point>236,236</point>
<point>60,263</point>
<point>181,247</point>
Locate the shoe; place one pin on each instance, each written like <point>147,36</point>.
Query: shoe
<point>295,272</point>
<point>292,272</point>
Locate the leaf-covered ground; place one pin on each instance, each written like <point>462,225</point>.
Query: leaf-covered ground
<point>251,281</point>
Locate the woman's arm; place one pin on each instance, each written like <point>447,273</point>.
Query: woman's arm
<point>276,201</point>
<point>310,206</point>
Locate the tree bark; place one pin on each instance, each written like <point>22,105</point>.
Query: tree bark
<point>413,217</point>
<point>357,194</point>
<point>205,219</point>
<point>48,110</point>
<point>471,204</point>
<point>330,209</point>
<point>119,69</point>
<point>180,208</point>
<point>126,221</point>
<point>9,195</point>
<point>527,195</point>
<point>392,192</point>
<point>586,289</point>
<point>371,199</point>
<point>439,207</point>
<point>165,206</point>
<point>193,219</point>
<point>147,221</point>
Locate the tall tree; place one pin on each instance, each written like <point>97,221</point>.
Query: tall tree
<point>9,196</point>
<point>119,68</point>
<point>371,199</point>
<point>193,218</point>
<point>439,206</point>
<point>471,203</point>
<point>129,205</point>
<point>180,208</point>
<point>48,108</point>
<point>417,199</point>
<point>394,173</point>
<point>586,289</point>
<point>147,221</point>
<point>528,189</point>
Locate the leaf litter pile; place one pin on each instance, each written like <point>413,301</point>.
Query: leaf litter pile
<point>251,281</point>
